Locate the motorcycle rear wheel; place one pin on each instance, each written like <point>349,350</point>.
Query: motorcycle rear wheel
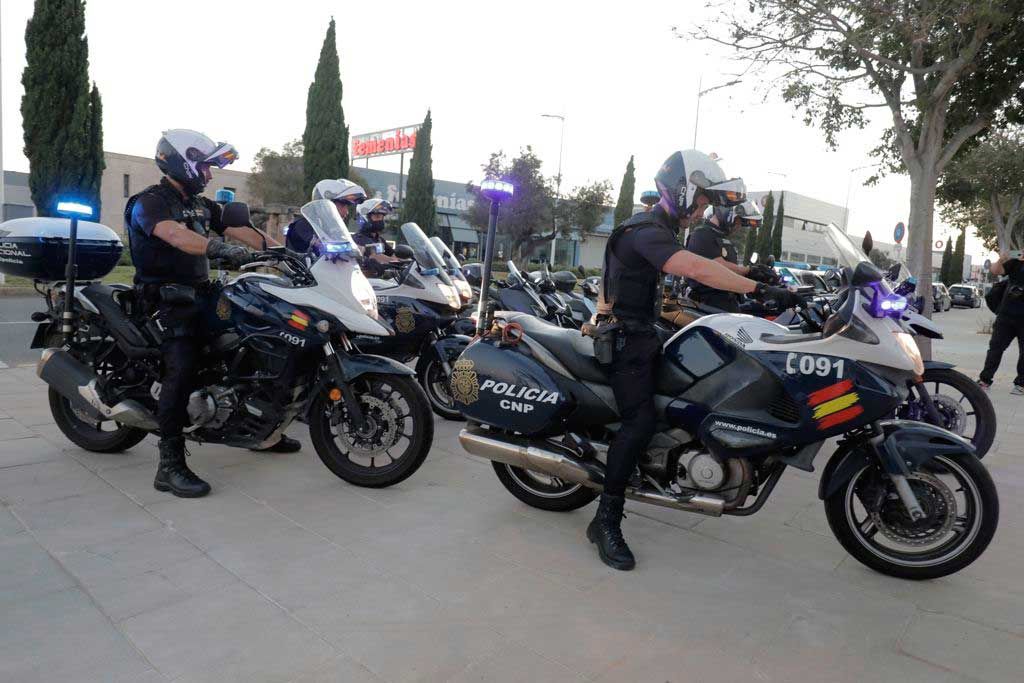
<point>543,491</point>
<point>398,419</point>
<point>91,435</point>
<point>962,509</point>
<point>949,390</point>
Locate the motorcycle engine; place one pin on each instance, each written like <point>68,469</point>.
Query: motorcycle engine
<point>699,470</point>
<point>211,407</point>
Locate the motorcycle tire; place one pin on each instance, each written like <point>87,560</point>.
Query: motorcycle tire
<point>554,497</point>
<point>89,437</point>
<point>981,514</point>
<point>981,404</point>
<point>441,403</point>
<point>376,393</point>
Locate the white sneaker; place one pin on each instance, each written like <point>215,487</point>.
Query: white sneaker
<point>1017,390</point>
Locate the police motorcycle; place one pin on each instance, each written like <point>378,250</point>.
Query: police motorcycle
<point>943,395</point>
<point>420,300</point>
<point>281,349</point>
<point>741,399</point>
<point>560,287</point>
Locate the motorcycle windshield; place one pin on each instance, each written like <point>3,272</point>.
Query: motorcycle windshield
<point>429,261</point>
<point>451,263</point>
<point>329,227</point>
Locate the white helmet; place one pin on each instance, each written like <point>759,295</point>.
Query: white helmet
<point>186,156</point>
<point>688,173</point>
<point>375,205</point>
<point>339,190</point>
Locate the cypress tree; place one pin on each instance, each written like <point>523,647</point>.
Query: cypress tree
<point>418,205</point>
<point>764,235</point>
<point>956,264</point>
<point>947,259</point>
<point>776,249</point>
<point>96,161</point>
<point>751,245</point>
<point>624,207</point>
<point>55,110</point>
<point>325,140</point>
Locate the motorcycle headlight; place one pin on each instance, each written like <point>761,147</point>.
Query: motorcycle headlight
<point>364,294</point>
<point>909,346</point>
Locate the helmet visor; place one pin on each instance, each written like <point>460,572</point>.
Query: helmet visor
<point>382,209</point>
<point>223,155</point>
<point>731,192</point>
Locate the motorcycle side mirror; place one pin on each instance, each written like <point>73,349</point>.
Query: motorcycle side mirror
<point>868,243</point>
<point>236,215</point>
<point>753,257</point>
<point>581,271</point>
<point>894,272</point>
<point>403,251</point>
<point>770,262</point>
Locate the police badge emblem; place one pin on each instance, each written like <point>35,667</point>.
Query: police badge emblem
<point>404,320</point>
<point>725,253</point>
<point>223,308</point>
<point>465,386</point>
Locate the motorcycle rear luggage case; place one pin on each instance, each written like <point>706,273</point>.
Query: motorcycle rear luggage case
<point>37,248</point>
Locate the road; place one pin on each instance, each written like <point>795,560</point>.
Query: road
<point>16,329</point>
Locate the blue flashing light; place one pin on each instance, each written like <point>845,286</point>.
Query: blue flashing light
<point>224,196</point>
<point>75,209</point>
<point>338,247</point>
<point>430,271</point>
<point>495,189</point>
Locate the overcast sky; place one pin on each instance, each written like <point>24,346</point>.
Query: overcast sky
<point>239,70</point>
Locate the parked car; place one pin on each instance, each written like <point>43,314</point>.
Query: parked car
<point>965,295</point>
<point>940,297</point>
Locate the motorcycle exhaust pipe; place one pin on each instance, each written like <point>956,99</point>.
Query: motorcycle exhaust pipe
<point>520,452</point>
<point>531,456</point>
<point>76,382</point>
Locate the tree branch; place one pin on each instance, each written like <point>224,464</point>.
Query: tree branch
<point>959,138</point>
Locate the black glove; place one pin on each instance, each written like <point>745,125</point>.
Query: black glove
<point>780,295</point>
<point>763,273</point>
<point>235,256</point>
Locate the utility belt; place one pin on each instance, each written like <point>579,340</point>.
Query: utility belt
<point>611,332</point>
<point>173,309</point>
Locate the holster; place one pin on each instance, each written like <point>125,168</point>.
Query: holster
<point>605,335</point>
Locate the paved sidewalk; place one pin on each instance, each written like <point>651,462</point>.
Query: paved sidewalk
<point>285,573</point>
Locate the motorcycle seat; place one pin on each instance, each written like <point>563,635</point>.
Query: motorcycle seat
<point>568,346</point>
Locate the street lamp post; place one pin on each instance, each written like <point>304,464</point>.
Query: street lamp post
<point>849,185</point>
<point>702,93</point>
<point>558,180</point>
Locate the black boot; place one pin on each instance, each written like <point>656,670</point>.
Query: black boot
<point>285,445</point>
<point>606,532</point>
<point>174,475</point>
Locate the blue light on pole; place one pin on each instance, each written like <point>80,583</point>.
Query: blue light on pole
<point>497,190</point>
<point>74,209</point>
<point>649,198</point>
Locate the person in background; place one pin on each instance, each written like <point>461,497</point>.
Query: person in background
<point>346,195</point>
<point>1009,323</point>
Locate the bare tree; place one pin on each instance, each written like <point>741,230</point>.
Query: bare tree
<point>945,70</point>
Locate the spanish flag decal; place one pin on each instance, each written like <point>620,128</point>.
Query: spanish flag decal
<point>835,404</point>
<point>298,320</point>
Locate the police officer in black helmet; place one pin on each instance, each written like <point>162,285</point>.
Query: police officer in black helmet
<point>636,255</point>
<point>169,227</point>
<point>711,239</point>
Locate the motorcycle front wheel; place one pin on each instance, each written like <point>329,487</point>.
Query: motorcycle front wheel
<point>393,442</point>
<point>961,509</point>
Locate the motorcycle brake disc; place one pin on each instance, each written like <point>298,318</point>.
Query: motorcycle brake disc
<point>936,499</point>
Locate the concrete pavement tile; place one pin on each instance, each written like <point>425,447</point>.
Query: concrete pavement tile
<point>9,524</point>
<point>45,481</point>
<point>129,556</point>
<point>140,454</point>
<point>511,664</point>
<point>376,601</point>
<point>135,480</point>
<point>447,575</point>
<point>407,654</point>
<point>268,548</point>
<point>298,582</point>
<point>70,524</point>
<point>27,570</point>
<point>61,636</point>
<point>26,452</point>
<point>291,475</point>
<point>964,647</point>
<point>340,669</point>
<point>229,635</point>
<point>516,592</point>
<point>12,429</point>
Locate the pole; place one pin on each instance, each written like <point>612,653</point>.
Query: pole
<point>68,326</point>
<point>485,278</point>
<point>696,116</point>
<point>3,176</point>
<point>558,189</point>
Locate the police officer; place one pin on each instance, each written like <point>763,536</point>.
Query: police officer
<point>637,253</point>
<point>346,195</point>
<point>377,252</point>
<point>711,240</point>
<point>168,226</point>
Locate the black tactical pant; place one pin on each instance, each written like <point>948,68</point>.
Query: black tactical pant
<point>1005,329</point>
<point>632,372</point>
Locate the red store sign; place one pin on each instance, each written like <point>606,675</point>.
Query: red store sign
<point>384,142</point>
